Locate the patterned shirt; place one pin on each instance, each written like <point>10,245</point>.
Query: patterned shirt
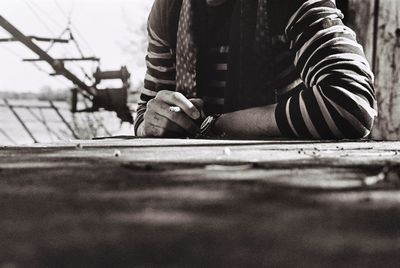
<point>324,84</point>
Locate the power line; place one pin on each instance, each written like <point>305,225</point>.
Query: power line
<point>44,12</point>
<point>81,36</point>
<point>34,6</point>
<point>37,66</point>
<point>79,49</point>
<point>9,50</point>
<point>72,37</point>
<point>68,17</point>
<point>40,68</point>
<point>38,17</point>
<point>50,18</point>
<point>68,29</point>
<point>62,82</point>
<point>66,50</point>
<point>62,10</point>
<point>60,36</point>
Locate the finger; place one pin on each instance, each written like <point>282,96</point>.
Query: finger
<point>179,118</point>
<point>199,103</point>
<point>177,122</point>
<point>163,122</point>
<point>177,99</point>
<point>157,131</point>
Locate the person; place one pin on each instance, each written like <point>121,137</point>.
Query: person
<point>266,68</point>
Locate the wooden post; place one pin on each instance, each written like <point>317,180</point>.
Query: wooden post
<point>377,25</point>
<point>361,18</point>
<point>387,70</point>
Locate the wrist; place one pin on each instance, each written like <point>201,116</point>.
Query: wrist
<point>249,123</point>
<point>140,130</point>
<point>218,126</point>
<point>209,129</point>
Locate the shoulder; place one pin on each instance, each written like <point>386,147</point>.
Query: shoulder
<point>163,9</point>
<point>164,18</point>
<point>303,7</point>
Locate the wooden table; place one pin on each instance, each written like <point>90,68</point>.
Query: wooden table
<point>199,203</point>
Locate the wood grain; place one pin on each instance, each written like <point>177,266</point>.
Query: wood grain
<point>193,203</point>
<point>361,18</point>
<point>387,71</point>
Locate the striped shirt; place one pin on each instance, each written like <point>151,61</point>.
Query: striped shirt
<point>324,84</point>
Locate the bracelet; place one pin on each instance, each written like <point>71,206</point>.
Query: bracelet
<point>207,127</point>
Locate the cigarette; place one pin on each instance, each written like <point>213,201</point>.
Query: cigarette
<point>175,109</point>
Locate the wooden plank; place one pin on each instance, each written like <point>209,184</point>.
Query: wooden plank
<point>85,207</point>
<point>387,71</point>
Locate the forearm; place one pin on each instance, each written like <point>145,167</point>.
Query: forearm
<point>249,123</point>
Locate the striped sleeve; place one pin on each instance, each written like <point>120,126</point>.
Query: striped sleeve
<point>337,100</point>
<point>160,63</point>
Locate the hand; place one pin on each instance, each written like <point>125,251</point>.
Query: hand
<point>199,104</point>
<point>160,121</point>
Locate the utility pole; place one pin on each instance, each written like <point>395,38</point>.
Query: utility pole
<point>56,64</point>
<point>111,99</point>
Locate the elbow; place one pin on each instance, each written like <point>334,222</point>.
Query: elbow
<point>370,127</point>
<point>366,131</point>
<point>358,125</point>
<point>331,117</point>
<point>346,129</point>
<point>350,115</point>
<point>361,133</point>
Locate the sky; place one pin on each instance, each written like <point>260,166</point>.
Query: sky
<point>112,30</point>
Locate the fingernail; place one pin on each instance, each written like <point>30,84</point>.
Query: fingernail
<point>196,114</point>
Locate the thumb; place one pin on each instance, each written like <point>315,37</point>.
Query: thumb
<point>199,104</point>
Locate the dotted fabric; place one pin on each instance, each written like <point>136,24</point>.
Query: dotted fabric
<point>186,51</point>
<point>262,28</point>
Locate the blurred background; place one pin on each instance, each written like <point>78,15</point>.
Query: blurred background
<point>112,31</point>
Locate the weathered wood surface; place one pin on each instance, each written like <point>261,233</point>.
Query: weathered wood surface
<point>185,203</point>
<point>387,71</point>
<point>378,30</point>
